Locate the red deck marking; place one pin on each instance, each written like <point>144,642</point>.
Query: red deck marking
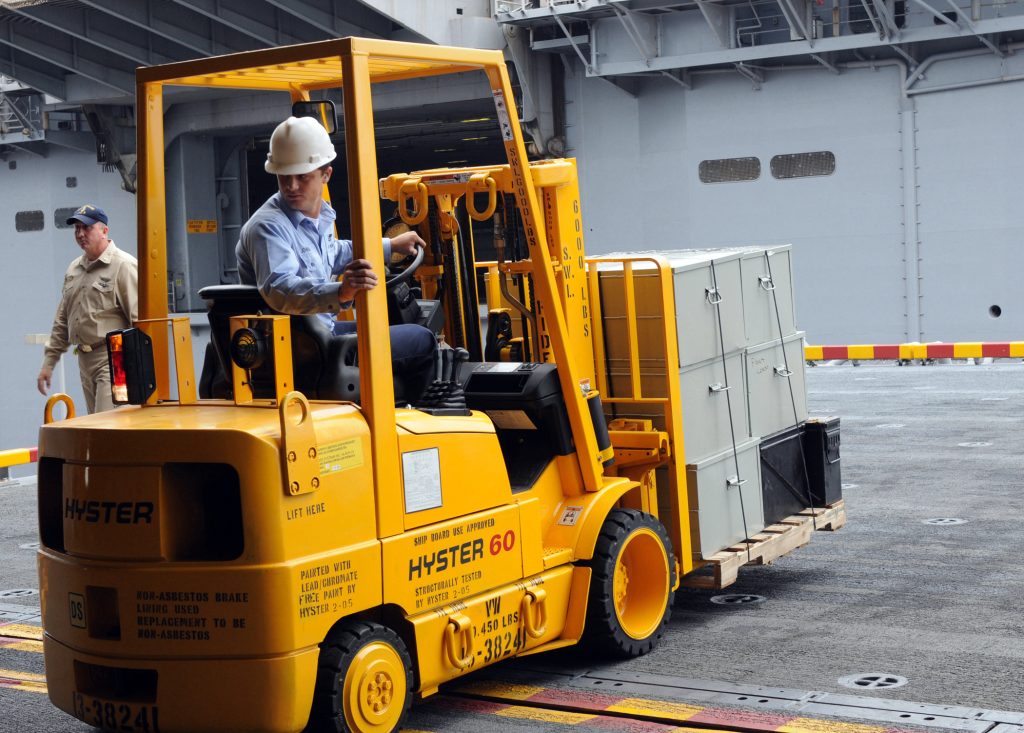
<point>835,352</point>
<point>887,351</point>
<point>940,351</point>
<point>996,349</point>
<point>24,681</point>
<point>748,719</point>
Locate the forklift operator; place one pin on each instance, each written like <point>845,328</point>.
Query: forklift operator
<point>288,250</point>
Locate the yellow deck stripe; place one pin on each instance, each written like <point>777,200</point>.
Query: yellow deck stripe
<point>544,715</point>
<point>22,631</point>
<point>22,645</point>
<point>655,708</point>
<point>502,690</point>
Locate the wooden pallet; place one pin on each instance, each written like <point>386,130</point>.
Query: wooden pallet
<point>766,546</point>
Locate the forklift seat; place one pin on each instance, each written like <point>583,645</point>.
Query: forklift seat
<point>324,364</point>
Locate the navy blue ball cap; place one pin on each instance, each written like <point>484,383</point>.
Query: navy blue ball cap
<point>87,215</point>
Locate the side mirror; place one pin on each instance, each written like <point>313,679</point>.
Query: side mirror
<point>323,111</point>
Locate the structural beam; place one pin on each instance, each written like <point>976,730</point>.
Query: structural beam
<point>638,36</point>
<point>755,77</point>
<point>970,26</point>
<point>796,22</point>
<point>616,65</point>
<point>825,62</point>
<point>70,55</point>
<point>682,78</point>
<point>575,47</point>
<point>82,141</point>
<point>154,16</point>
<point>231,15</point>
<point>886,20</point>
<point>326,22</point>
<point>18,66</point>
<point>719,19</point>
<point>84,25</point>
<point>37,149</point>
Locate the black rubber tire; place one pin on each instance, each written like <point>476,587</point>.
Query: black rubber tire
<point>604,630</point>
<point>337,653</point>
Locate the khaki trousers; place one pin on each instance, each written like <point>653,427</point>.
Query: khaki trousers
<point>95,373</point>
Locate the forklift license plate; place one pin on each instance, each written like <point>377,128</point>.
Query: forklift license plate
<point>113,715</point>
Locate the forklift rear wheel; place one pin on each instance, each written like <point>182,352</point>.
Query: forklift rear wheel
<point>364,681</point>
<point>631,587</point>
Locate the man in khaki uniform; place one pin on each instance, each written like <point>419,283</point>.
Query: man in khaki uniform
<point>100,294</point>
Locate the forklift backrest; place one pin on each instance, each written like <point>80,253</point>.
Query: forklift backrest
<point>324,364</point>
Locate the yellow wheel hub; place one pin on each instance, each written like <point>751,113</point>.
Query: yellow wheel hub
<point>640,586</point>
<point>375,689</point>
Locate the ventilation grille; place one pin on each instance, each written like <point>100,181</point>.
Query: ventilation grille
<point>803,165</point>
<point>729,170</point>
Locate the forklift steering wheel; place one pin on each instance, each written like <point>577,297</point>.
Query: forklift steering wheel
<point>409,265</point>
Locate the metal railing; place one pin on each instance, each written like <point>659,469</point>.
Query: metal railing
<point>21,114</point>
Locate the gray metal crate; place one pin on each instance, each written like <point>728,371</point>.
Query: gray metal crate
<point>697,304</point>
<point>763,292</point>
<point>706,425</point>
<point>772,393</point>
<point>705,402</point>
<point>697,316</point>
<point>725,505</point>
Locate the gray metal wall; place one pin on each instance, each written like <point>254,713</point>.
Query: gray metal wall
<point>970,157</point>
<point>34,265</point>
<point>914,237</point>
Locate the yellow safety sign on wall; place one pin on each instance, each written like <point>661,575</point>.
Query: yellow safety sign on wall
<point>202,226</point>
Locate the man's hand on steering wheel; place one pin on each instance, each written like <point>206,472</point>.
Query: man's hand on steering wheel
<point>406,243</point>
<point>412,246</point>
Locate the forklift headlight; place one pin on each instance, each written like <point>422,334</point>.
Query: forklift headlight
<point>132,375</point>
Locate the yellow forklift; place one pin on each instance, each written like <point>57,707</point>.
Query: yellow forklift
<point>298,553</point>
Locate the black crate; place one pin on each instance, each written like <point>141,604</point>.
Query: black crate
<point>783,478</point>
<point>821,446</point>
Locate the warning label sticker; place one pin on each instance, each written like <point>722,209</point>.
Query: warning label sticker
<point>511,419</point>
<point>340,456</point>
<point>570,515</point>
<point>421,477</point>
<point>503,119</point>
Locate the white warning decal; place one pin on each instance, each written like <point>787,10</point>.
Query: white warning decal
<point>421,476</point>
<point>503,120</point>
<point>570,515</point>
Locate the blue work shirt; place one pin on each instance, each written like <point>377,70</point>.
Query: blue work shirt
<point>294,260</point>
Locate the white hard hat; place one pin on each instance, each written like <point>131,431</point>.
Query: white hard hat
<point>299,145</point>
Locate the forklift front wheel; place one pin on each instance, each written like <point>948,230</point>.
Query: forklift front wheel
<point>631,586</point>
<point>363,683</point>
